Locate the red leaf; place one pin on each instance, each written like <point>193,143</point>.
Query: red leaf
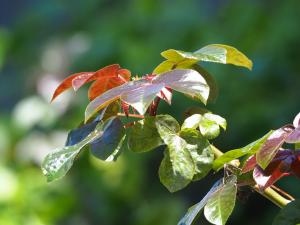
<point>296,165</point>
<point>106,78</point>
<point>67,83</point>
<point>250,164</point>
<point>269,149</point>
<point>166,95</point>
<point>125,108</point>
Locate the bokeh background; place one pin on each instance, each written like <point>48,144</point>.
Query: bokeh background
<point>41,42</point>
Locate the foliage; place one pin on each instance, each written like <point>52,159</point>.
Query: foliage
<point>189,154</point>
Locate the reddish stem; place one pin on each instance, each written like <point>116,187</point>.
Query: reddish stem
<point>131,115</point>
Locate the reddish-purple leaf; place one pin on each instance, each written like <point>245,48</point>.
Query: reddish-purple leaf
<point>250,164</point>
<point>269,149</point>
<point>166,95</point>
<point>294,137</point>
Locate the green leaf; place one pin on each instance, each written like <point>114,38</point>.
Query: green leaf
<point>223,54</point>
<point>192,122</point>
<point>108,146</point>
<point>289,215</point>
<point>221,203</point>
<point>209,128</point>
<point>166,125</point>
<point>250,149</point>
<point>200,151</point>
<point>58,163</point>
<point>177,167</point>
<point>143,136</point>
<point>193,212</point>
<point>217,119</point>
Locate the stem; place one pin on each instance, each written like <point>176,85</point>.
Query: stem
<point>268,193</point>
<point>131,115</point>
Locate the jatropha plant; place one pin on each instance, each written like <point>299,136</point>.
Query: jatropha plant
<point>123,111</point>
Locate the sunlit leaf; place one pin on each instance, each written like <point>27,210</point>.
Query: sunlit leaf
<point>106,78</point>
<point>193,212</point>
<point>221,203</point>
<point>186,81</point>
<point>289,215</point>
<point>296,121</point>
<point>192,122</point>
<point>209,128</point>
<point>200,151</point>
<point>143,136</point>
<point>166,125</point>
<point>217,119</point>
<point>165,66</point>
<point>58,163</point>
<point>251,148</point>
<point>139,93</point>
<point>108,146</point>
<point>271,146</point>
<point>223,54</point>
<point>294,137</point>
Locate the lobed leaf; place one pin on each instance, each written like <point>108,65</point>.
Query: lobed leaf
<point>143,136</point>
<point>289,215</point>
<point>221,203</point>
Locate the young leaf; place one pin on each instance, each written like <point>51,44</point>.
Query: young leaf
<point>223,54</point>
<point>209,128</point>
<point>289,215</point>
<point>108,146</point>
<point>143,136</point>
<point>221,203</point>
<point>217,119</point>
<point>193,212</point>
<point>200,151</point>
<point>166,125</point>
<point>140,93</point>
<point>251,148</point>
<point>271,146</point>
<point>107,78</point>
<point>177,168</point>
<point>58,163</point>
<point>192,122</point>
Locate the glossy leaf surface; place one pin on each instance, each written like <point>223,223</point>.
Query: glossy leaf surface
<point>193,212</point>
<point>271,146</point>
<point>108,146</point>
<point>58,163</point>
<point>106,78</point>
<point>251,148</point>
<point>221,203</point>
<point>200,151</point>
<point>143,136</point>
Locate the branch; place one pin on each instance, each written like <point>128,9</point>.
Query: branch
<point>269,192</point>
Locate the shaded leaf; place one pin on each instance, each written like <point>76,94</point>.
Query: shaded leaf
<point>166,125</point>
<point>251,148</point>
<point>193,212</point>
<point>177,168</point>
<point>271,146</point>
<point>221,203</point>
<point>223,54</point>
<point>143,136</point>
<point>58,163</point>
<point>289,215</point>
<point>108,146</point>
<point>200,151</point>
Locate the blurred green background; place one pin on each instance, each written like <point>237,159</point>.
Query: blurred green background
<point>41,42</point>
